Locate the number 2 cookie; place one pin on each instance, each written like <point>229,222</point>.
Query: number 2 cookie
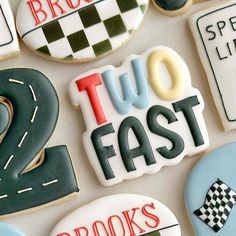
<point>9,46</point>
<point>173,7</point>
<point>122,214</point>
<point>210,193</point>
<point>78,30</point>
<point>214,31</point>
<point>30,177</point>
<point>140,116</point>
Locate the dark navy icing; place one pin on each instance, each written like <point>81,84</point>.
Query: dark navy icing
<point>171,5</point>
<point>35,113</point>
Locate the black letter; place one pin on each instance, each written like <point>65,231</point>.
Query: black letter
<point>144,149</point>
<point>177,141</point>
<point>186,106</point>
<point>104,153</point>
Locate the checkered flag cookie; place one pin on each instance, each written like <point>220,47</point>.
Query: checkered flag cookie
<point>219,202</point>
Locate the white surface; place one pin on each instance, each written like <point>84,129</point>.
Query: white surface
<point>168,184</point>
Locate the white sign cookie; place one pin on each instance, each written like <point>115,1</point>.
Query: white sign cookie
<point>214,31</point>
<point>9,45</point>
<point>78,30</point>
<point>122,214</point>
<point>140,116</point>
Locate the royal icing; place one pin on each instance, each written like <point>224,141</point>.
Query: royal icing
<point>122,214</point>
<point>173,7</point>
<point>210,193</point>
<point>29,178</point>
<point>214,32</point>
<point>78,30</point>
<point>134,128</point>
<point>9,45</point>
<point>7,230</point>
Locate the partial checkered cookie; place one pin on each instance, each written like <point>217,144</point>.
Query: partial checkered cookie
<point>78,30</point>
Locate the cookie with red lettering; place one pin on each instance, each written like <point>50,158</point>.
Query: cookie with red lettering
<point>78,30</point>
<point>140,116</point>
<point>30,177</point>
<point>214,31</point>
<point>174,7</point>
<point>122,214</point>
<point>9,45</point>
<point>8,230</point>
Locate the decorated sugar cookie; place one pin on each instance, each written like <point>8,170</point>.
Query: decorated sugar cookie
<point>173,7</point>
<point>210,193</point>
<point>7,230</point>
<point>122,214</point>
<point>30,177</point>
<point>78,30</point>
<point>9,45</point>
<point>140,116</point>
<point>214,31</point>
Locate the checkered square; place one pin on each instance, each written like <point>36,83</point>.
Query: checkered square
<point>96,30</point>
<point>156,233</point>
<point>219,202</point>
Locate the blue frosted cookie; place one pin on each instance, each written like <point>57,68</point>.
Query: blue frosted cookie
<point>210,193</point>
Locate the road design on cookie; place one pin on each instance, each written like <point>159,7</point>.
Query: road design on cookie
<point>30,177</point>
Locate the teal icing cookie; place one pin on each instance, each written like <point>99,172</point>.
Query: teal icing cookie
<point>210,193</point>
<point>27,178</point>
<point>7,230</point>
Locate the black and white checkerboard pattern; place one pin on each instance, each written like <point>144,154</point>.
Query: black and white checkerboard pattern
<point>93,31</point>
<point>219,202</point>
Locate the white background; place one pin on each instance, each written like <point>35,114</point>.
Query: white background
<point>167,185</point>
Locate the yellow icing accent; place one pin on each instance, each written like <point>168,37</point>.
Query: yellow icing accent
<point>176,74</point>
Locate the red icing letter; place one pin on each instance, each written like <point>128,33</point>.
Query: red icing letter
<point>37,11</point>
<point>111,227</point>
<point>96,231</point>
<point>63,234</point>
<point>78,233</point>
<point>131,222</point>
<point>150,215</point>
<point>89,84</point>
<point>52,7</point>
<point>72,5</point>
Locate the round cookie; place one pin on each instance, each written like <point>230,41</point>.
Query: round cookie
<point>80,30</point>
<point>9,45</point>
<point>210,193</point>
<point>122,214</point>
<point>140,116</point>
<point>8,230</point>
<point>29,176</point>
<point>173,7</point>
